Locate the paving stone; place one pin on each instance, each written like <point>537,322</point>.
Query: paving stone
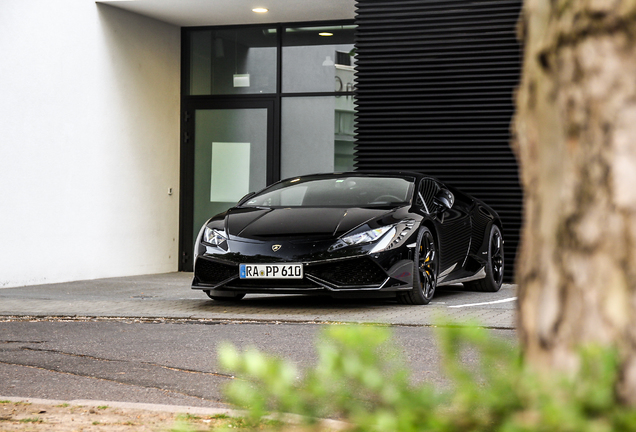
<point>170,296</point>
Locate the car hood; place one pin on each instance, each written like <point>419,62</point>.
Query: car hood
<point>297,223</point>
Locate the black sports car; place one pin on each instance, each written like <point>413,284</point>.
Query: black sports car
<point>394,234</point>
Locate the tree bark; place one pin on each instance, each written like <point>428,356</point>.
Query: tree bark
<point>575,140</point>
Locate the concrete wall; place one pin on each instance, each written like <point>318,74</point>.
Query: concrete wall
<point>89,142</point>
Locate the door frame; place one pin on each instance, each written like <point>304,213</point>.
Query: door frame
<point>186,199</point>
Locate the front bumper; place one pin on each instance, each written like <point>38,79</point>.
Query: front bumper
<point>350,269</point>
<point>349,274</point>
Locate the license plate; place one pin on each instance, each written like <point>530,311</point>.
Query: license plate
<point>271,271</point>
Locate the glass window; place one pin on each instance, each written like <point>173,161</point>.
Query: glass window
<point>354,191</point>
<point>344,134</point>
<point>318,59</point>
<point>317,134</point>
<point>230,147</point>
<point>233,61</point>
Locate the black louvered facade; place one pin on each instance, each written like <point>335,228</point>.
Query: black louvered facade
<point>435,83</point>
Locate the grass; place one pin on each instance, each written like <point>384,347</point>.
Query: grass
<point>223,422</point>
<point>31,420</point>
<point>188,417</point>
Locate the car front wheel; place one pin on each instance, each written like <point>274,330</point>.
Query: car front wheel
<point>426,264</point>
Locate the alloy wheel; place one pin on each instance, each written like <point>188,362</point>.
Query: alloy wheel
<point>496,256</point>
<point>428,265</point>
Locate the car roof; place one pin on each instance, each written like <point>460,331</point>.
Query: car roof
<point>385,173</point>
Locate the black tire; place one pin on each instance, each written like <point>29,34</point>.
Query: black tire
<point>235,297</point>
<point>495,266</point>
<point>425,267</point>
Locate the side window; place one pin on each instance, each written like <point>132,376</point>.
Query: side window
<point>427,191</point>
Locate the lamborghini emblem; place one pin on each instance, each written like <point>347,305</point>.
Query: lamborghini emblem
<point>276,248</point>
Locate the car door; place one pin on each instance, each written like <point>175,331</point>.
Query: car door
<point>453,227</point>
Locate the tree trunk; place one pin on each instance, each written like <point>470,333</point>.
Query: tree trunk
<point>575,140</point>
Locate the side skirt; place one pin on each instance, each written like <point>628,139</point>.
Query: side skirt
<point>481,274</point>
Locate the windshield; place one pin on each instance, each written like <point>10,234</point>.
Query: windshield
<point>348,191</point>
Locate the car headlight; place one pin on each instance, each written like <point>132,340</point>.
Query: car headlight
<point>365,237</point>
<point>214,237</point>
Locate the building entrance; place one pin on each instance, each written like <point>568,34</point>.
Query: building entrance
<point>261,103</point>
<point>230,144</point>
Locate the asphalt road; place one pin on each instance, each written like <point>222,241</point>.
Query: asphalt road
<point>164,362</point>
<point>151,339</point>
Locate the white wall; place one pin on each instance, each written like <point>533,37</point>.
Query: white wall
<point>89,142</point>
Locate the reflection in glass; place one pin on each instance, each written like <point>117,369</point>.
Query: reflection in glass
<point>341,191</point>
<point>344,135</point>
<point>317,135</point>
<point>233,61</point>
<point>315,63</point>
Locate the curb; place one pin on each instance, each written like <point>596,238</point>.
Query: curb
<point>179,409</point>
<point>131,405</point>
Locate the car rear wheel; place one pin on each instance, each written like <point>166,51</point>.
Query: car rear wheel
<point>426,264</point>
<point>233,297</point>
<point>495,266</point>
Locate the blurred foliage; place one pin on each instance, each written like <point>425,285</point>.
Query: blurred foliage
<point>221,423</point>
<point>360,378</point>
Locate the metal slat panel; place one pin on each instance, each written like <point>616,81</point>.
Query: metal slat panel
<point>435,82</point>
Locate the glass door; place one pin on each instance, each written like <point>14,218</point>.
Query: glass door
<point>230,153</point>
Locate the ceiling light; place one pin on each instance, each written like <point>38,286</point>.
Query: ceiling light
<point>325,34</point>
<point>259,10</point>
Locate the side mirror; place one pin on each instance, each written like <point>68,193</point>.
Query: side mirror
<point>445,198</point>
<point>245,198</point>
